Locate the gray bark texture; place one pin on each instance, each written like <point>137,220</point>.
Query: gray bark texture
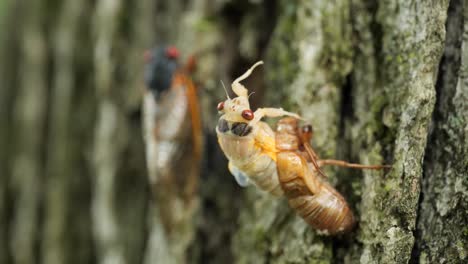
<point>381,82</point>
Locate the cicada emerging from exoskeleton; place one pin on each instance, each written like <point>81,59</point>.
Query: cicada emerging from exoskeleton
<point>281,162</point>
<point>173,135</point>
<point>247,142</point>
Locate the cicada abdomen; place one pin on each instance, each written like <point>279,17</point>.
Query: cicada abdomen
<point>308,193</point>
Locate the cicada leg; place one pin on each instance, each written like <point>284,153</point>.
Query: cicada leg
<point>346,164</point>
<point>306,134</point>
<point>237,87</point>
<point>271,112</point>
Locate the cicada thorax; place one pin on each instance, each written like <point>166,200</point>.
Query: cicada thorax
<point>308,193</point>
<point>243,152</point>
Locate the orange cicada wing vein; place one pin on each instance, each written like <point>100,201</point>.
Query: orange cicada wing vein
<point>194,112</point>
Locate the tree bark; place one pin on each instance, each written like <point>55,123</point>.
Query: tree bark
<point>442,215</point>
<point>29,114</point>
<point>380,82</point>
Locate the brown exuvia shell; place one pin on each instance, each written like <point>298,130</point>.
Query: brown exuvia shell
<point>308,193</point>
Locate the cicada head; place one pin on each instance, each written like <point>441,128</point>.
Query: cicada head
<point>238,109</point>
<point>161,65</point>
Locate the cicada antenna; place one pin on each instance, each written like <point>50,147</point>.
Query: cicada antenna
<point>227,94</point>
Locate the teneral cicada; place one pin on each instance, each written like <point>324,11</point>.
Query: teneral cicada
<point>247,142</point>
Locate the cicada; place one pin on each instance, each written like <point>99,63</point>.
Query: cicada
<point>247,142</point>
<point>282,162</point>
<point>172,132</point>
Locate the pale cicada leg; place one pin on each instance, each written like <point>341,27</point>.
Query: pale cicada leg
<point>271,112</point>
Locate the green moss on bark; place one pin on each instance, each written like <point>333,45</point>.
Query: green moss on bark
<point>442,233</point>
<point>394,78</point>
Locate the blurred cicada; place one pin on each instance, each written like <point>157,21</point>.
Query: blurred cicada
<point>173,135</point>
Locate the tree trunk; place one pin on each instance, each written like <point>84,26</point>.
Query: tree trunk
<point>380,82</point>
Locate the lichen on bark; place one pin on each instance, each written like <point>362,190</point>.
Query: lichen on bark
<point>443,213</point>
<point>402,46</point>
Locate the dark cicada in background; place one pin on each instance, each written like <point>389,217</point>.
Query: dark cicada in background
<point>173,138</point>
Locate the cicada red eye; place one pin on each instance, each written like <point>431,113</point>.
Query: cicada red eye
<point>247,114</point>
<point>220,106</point>
<point>172,52</point>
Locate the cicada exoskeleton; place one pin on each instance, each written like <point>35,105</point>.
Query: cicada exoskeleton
<point>306,186</point>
